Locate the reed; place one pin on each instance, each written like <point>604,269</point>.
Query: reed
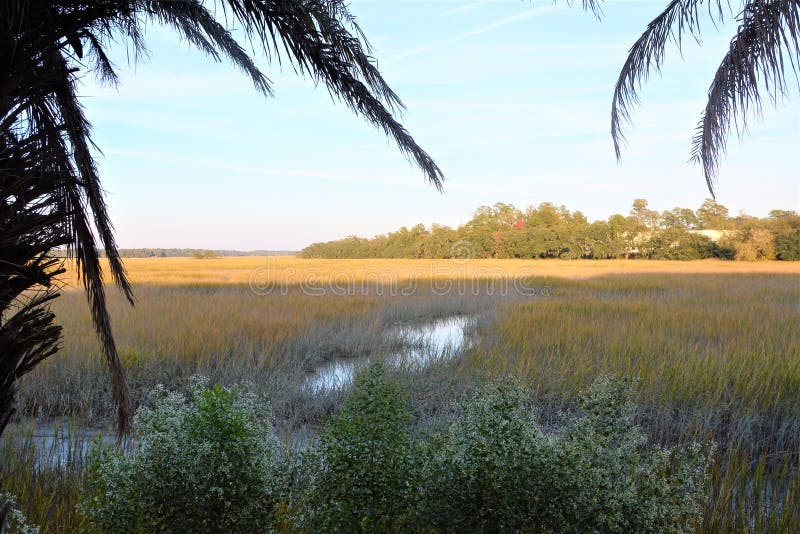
<point>43,466</point>
<point>714,347</point>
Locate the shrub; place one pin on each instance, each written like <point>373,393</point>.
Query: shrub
<point>678,244</point>
<point>205,464</point>
<point>200,464</point>
<point>15,521</point>
<point>363,473</point>
<point>475,470</point>
<point>787,246</point>
<point>756,244</point>
<point>497,471</point>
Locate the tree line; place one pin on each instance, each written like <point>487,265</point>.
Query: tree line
<point>199,253</point>
<point>550,231</point>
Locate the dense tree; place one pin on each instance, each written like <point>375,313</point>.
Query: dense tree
<point>50,186</point>
<point>547,231</point>
<point>441,242</point>
<point>638,209</point>
<point>488,232</point>
<point>755,244</point>
<point>204,255</point>
<point>712,216</point>
<point>787,246</point>
<point>185,252</point>
<point>645,218</point>
<point>784,221</point>
<point>678,244</point>
<point>623,231</point>
<point>680,218</point>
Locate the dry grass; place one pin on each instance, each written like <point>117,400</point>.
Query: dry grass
<point>715,346</point>
<point>292,270</point>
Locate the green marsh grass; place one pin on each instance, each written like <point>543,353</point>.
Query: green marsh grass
<point>45,474</point>
<point>714,347</point>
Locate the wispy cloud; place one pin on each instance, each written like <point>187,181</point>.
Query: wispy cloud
<point>497,24</point>
<point>254,170</point>
<point>467,7</point>
<point>511,106</point>
<point>212,164</point>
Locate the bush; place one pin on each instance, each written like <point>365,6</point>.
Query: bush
<point>206,464</point>
<point>787,246</point>
<point>497,471</point>
<point>200,464</point>
<point>755,244</point>
<point>476,467</point>
<point>678,244</point>
<point>16,522</point>
<point>363,473</point>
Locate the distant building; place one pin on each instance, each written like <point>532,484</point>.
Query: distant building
<point>713,235</point>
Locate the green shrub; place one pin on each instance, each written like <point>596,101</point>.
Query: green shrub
<point>787,246</point>
<point>363,473</point>
<point>200,464</point>
<point>678,244</point>
<point>16,522</point>
<point>496,470</point>
<point>475,470</point>
<point>206,464</point>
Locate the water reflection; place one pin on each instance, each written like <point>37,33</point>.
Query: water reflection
<point>53,445</point>
<point>423,344</point>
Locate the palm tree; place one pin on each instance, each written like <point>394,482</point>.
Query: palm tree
<point>50,190</point>
<point>765,46</point>
<point>31,225</point>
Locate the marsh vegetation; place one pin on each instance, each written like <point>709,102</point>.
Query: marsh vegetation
<point>712,348</point>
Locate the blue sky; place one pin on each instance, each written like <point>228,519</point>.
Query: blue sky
<point>511,98</point>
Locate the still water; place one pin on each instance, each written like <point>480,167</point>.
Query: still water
<point>423,344</point>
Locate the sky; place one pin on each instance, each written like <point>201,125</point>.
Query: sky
<point>511,98</point>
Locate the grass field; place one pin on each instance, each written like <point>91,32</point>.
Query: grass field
<point>240,270</point>
<point>714,346</point>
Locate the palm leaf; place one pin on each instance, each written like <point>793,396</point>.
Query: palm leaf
<point>45,45</point>
<point>766,44</point>
<point>764,47</point>
<point>679,18</point>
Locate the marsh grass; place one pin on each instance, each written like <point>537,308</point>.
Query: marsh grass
<point>293,270</point>
<point>45,473</point>
<point>714,347</point>
<point>716,357</point>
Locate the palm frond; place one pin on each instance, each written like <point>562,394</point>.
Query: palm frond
<point>319,45</point>
<point>320,38</point>
<point>45,44</point>
<point>73,197</point>
<point>27,338</point>
<point>766,45</point>
<point>679,18</point>
<point>77,130</point>
<point>41,116</point>
<point>30,226</point>
<point>590,5</point>
<point>102,65</point>
<point>198,26</point>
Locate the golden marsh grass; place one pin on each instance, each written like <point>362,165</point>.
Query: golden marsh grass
<point>714,346</point>
<point>240,270</point>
